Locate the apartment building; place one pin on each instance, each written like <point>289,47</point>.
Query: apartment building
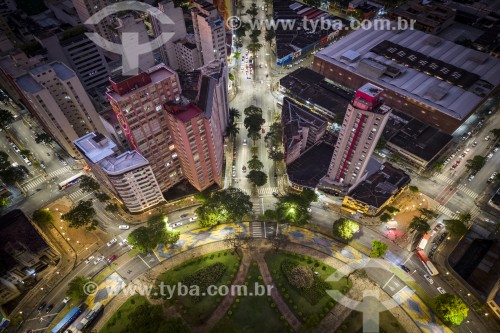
<point>194,140</point>
<point>59,101</point>
<point>363,125</point>
<point>78,52</point>
<point>209,32</point>
<point>138,102</point>
<point>128,175</point>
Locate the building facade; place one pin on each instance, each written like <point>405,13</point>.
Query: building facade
<point>60,103</point>
<point>209,32</point>
<point>80,54</point>
<point>138,102</point>
<point>177,28</point>
<point>194,139</point>
<point>128,175</point>
<point>363,124</point>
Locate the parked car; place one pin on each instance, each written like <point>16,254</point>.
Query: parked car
<point>276,194</point>
<point>492,177</point>
<point>123,227</point>
<point>42,306</point>
<point>111,242</point>
<point>244,142</point>
<point>66,300</point>
<point>112,258</point>
<point>89,259</point>
<point>441,290</point>
<point>98,260</point>
<point>429,279</point>
<point>186,215</point>
<point>404,268</point>
<point>16,149</point>
<point>192,219</point>
<point>49,308</point>
<point>175,225</point>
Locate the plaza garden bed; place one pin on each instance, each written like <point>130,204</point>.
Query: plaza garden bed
<point>249,314</point>
<point>218,268</point>
<point>310,304</point>
<point>138,315</point>
<point>354,323</point>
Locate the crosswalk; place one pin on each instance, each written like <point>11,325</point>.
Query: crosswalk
<point>262,191</point>
<point>474,212</point>
<point>78,195</point>
<point>33,183</point>
<point>468,191</point>
<point>461,187</point>
<point>59,171</point>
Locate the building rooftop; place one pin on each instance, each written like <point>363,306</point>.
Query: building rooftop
<point>307,86</point>
<point>122,87</point>
<point>27,82</point>
<point>15,226</point>
<point>95,146</point>
<point>415,137</point>
<point>378,187</point>
<point>128,161</point>
<point>444,75</point>
<point>309,168</point>
<point>184,112</point>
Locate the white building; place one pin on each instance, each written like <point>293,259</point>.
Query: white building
<point>129,175</point>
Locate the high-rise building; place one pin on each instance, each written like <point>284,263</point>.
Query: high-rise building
<point>134,39</point>
<point>128,175</point>
<point>81,54</point>
<point>194,140</point>
<point>59,102</point>
<point>87,8</point>
<point>363,124</point>
<point>178,28</point>
<point>138,101</point>
<point>209,32</point>
<point>187,56</point>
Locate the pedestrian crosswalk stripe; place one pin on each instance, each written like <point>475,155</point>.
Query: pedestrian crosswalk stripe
<point>76,195</point>
<point>468,191</point>
<point>33,183</point>
<point>267,190</point>
<point>60,171</point>
<point>445,211</point>
<point>444,178</point>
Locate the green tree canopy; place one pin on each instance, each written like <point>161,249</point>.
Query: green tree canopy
<point>76,288</point>
<point>88,184</point>
<point>156,231</point>
<point>496,133</point>
<point>386,217</point>
<point>43,138</point>
<point>276,155</point>
<point>234,113</point>
<point>255,163</point>
<point>295,207</point>
<point>253,123</point>
<point>151,318</point>
<point>142,239</point>
<point>345,229</point>
<point>4,161</point>
<point>413,189</point>
<point>419,224</point>
<point>378,248</point>
<point>11,175</point>
<point>254,47</point>
<point>82,215</point>
<point>232,130</point>
<point>428,213</point>
<point>111,207</point>
<point>456,228</point>
<point>43,216</point>
<point>6,117</point>
<point>228,205</point>
<point>257,177</point>
<point>270,34</point>
<point>476,163</point>
<point>4,202</point>
<point>451,309</point>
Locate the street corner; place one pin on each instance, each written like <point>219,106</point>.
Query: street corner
<point>106,290</point>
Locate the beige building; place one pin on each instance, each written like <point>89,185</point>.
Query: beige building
<point>129,175</point>
<point>363,124</point>
<point>209,32</point>
<point>60,103</point>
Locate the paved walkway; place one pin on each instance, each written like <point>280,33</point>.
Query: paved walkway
<point>275,294</point>
<point>228,300</point>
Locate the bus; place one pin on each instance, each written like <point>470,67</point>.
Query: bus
<point>428,265</point>
<point>70,181</point>
<point>67,320</point>
<point>90,317</point>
